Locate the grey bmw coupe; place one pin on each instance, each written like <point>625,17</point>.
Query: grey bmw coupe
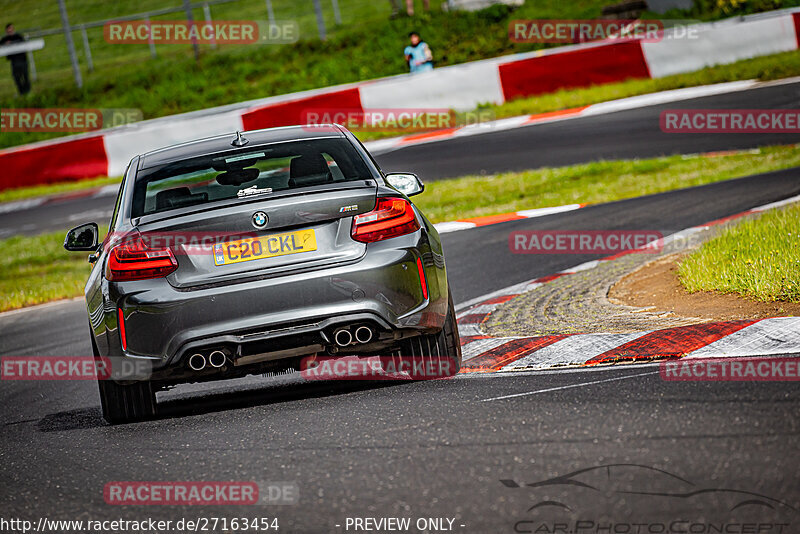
<point>251,252</point>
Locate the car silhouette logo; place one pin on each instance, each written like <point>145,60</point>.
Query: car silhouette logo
<point>260,219</point>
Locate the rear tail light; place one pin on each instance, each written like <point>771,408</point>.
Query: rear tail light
<point>390,218</point>
<point>134,260</point>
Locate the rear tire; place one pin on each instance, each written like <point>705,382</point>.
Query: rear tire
<point>444,345</point>
<point>125,404</point>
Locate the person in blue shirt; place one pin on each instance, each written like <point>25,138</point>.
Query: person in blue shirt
<point>418,54</point>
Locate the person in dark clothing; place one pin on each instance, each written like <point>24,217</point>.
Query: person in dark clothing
<point>19,62</point>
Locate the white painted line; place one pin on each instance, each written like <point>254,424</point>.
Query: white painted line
<point>8,207</point>
<point>589,265</point>
<point>107,191</point>
<point>665,97</point>
<point>453,226</point>
<point>779,204</point>
<point>582,384</point>
<point>542,212</point>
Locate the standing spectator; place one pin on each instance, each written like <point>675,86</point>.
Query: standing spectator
<point>418,55</point>
<point>19,62</point>
<point>395,7</point>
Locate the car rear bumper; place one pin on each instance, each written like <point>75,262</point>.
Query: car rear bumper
<point>284,316</point>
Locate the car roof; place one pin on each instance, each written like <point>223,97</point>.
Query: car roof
<point>223,143</point>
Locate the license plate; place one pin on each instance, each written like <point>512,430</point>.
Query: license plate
<point>269,246</point>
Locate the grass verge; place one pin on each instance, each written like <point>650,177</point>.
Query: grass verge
<point>22,193</point>
<point>37,269</point>
<point>758,258</point>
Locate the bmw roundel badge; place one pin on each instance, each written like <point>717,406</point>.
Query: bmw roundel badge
<point>260,219</point>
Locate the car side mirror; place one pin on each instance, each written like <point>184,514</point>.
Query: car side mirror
<point>82,238</point>
<point>407,183</point>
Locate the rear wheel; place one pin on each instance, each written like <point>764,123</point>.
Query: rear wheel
<point>125,404</point>
<point>444,346</point>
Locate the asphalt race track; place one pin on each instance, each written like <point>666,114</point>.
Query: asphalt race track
<point>625,134</point>
<point>434,449</point>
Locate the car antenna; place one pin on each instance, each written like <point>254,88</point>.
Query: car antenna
<point>239,141</point>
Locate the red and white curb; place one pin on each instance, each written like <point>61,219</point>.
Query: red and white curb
<point>477,222</point>
<point>483,353</point>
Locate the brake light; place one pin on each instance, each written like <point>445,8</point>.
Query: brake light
<point>391,217</point>
<point>134,260</point>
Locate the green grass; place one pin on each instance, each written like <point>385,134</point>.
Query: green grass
<point>21,193</point>
<point>605,181</point>
<point>757,258</point>
<point>37,269</point>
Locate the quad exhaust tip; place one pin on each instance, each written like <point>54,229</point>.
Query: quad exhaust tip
<point>217,359</point>
<point>363,334</point>
<point>197,362</point>
<point>343,337</point>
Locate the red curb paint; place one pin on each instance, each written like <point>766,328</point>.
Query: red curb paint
<point>472,318</point>
<point>671,342</point>
<point>493,219</point>
<point>428,135</point>
<point>499,300</point>
<point>496,358</point>
<point>729,218</point>
<point>549,278</point>
<point>562,113</point>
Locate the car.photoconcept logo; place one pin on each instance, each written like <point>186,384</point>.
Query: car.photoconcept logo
<point>260,219</point>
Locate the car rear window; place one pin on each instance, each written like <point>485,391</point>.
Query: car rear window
<point>245,172</point>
